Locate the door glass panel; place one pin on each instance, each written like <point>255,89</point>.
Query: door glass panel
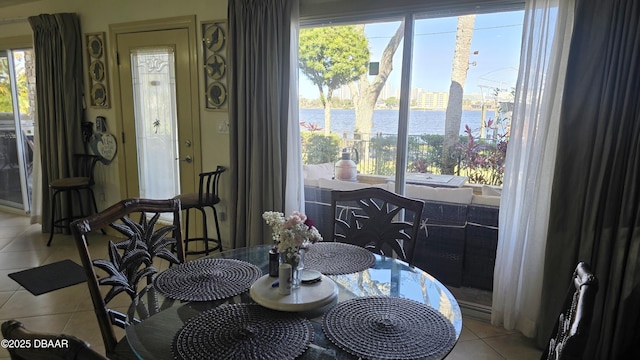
<point>154,93</point>
<point>16,127</point>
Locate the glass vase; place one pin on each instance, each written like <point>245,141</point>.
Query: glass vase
<point>295,258</point>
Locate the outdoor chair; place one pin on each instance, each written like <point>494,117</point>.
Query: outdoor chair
<point>207,196</point>
<point>571,332</point>
<point>71,347</point>
<point>132,261</point>
<point>378,220</point>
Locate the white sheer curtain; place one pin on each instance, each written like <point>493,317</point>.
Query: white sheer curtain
<point>524,209</point>
<point>294,188</point>
<point>36,179</point>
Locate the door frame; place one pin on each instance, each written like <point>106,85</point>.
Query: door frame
<point>181,22</point>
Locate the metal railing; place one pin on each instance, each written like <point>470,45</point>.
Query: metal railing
<point>375,154</point>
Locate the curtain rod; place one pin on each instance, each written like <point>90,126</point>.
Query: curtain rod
<point>12,20</point>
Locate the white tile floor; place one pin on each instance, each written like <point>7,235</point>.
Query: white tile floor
<point>69,310</point>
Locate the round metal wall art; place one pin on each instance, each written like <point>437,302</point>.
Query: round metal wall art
<point>215,67</point>
<point>95,47</point>
<point>96,70</point>
<point>99,94</point>
<point>214,38</point>
<point>216,94</point>
<point>214,64</point>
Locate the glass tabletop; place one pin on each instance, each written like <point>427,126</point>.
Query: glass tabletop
<point>155,320</point>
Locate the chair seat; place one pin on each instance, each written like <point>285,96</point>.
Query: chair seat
<point>192,200</point>
<point>70,183</point>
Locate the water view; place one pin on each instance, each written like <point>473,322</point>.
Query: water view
<point>386,121</point>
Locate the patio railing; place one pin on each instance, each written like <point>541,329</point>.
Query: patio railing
<point>482,160</point>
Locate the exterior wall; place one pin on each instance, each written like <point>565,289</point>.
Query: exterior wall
<point>96,16</point>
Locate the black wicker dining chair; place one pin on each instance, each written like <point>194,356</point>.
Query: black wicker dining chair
<point>206,197</point>
<point>571,331</point>
<point>132,260</point>
<point>378,220</point>
<point>69,347</point>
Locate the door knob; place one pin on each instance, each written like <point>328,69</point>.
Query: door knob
<point>187,143</point>
<point>186,159</point>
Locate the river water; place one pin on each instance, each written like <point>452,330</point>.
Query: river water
<point>386,121</point>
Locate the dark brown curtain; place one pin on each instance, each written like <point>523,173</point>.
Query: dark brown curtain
<point>59,91</point>
<point>259,48</point>
<point>595,203</point>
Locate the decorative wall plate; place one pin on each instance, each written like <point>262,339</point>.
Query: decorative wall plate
<point>96,70</point>
<point>216,94</point>
<point>215,67</point>
<point>214,53</point>
<point>99,94</point>
<point>95,47</point>
<point>214,38</point>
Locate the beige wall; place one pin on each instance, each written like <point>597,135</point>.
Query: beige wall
<point>96,16</point>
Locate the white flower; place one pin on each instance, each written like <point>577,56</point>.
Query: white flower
<point>293,232</point>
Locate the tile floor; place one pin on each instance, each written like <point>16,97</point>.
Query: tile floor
<point>69,310</point>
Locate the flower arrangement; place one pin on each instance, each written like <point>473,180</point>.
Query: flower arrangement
<point>291,233</point>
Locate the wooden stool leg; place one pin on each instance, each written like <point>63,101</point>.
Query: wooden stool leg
<point>215,217</point>
<point>205,235</point>
<point>186,233</point>
<point>52,216</point>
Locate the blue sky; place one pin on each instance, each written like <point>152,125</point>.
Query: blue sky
<point>496,38</point>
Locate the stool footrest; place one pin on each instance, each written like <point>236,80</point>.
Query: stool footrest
<point>217,246</point>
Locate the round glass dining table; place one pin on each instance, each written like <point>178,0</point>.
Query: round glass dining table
<point>154,320</point>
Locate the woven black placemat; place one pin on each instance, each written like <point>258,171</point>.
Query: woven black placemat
<point>207,279</point>
<point>383,327</point>
<point>335,258</point>
<point>243,331</point>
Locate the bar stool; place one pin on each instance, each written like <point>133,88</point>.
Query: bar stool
<point>207,196</point>
<point>83,167</point>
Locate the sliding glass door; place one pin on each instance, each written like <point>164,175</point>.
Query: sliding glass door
<point>408,104</point>
<point>17,133</point>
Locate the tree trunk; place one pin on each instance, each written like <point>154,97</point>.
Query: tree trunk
<point>453,115</point>
<point>327,112</point>
<point>366,94</point>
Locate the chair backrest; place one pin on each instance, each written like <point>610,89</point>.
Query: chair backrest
<point>208,189</point>
<point>378,220</point>
<point>84,165</point>
<point>130,260</point>
<point>571,332</point>
<point>42,346</point>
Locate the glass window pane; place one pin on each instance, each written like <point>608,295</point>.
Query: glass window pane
<point>463,74</point>
<point>354,120</point>
<point>156,122</point>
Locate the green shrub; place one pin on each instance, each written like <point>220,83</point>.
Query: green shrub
<point>318,148</point>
